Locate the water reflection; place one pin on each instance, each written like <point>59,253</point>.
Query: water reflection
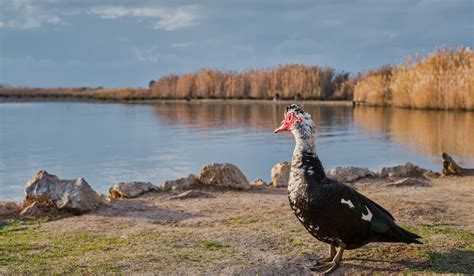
<point>110,143</point>
<point>426,131</point>
<point>255,115</point>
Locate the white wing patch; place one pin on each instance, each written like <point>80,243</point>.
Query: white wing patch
<point>367,217</point>
<point>348,202</point>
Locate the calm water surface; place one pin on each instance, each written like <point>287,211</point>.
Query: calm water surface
<point>110,143</point>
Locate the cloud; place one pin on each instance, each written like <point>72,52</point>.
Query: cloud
<point>25,14</point>
<point>151,55</point>
<point>181,44</point>
<point>164,18</point>
<point>332,22</point>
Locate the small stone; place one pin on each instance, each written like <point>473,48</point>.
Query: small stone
<point>349,174</point>
<point>280,174</point>
<point>184,183</point>
<point>131,189</point>
<point>432,174</point>
<point>405,182</point>
<point>223,175</point>
<point>192,194</point>
<point>258,182</point>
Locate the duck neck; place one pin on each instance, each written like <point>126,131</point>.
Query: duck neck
<point>305,159</point>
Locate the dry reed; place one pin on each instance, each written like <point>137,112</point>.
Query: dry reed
<point>285,82</point>
<point>442,80</point>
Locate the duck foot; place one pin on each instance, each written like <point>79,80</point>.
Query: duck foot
<point>332,253</point>
<point>322,262</point>
<point>331,266</point>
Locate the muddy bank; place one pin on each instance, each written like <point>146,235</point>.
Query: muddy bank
<point>111,99</point>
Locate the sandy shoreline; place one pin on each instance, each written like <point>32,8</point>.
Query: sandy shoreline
<point>242,232</point>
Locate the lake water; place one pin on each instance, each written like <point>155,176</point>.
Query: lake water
<point>110,143</point>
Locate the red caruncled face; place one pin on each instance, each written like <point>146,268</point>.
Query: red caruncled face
<point>288,122</point>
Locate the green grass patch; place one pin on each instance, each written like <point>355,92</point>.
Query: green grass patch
<point>243,220</point>
<point>211,245</point>
<point>26,247</point>
<point>455,261</point>
<point>446,249</point>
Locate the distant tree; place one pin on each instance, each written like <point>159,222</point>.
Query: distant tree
<point>150,84</point>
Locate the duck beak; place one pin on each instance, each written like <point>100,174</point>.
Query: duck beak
<point>283,127</point>
<point>288,121</point>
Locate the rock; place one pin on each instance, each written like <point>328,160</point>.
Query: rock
<point>401,171</point>
<point>34,210</point>
<point>432,174</point>
<point>450,167</point>
<point>9,208</point>
<point>184,183</point>
<point>349,174</point>
<point>75,196</point>
<point>223,175</point>
<point>131,189</point>
<point>192,194</point>
<point>258,183</point>
<point>281,174</point>
<point>409,182</point>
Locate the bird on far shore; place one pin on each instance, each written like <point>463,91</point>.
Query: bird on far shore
<point>332,212</point>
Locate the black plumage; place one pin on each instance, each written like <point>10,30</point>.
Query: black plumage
<point>333,212</point>
<point>339,222</point>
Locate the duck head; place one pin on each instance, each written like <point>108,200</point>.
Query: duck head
<point>298,122</point>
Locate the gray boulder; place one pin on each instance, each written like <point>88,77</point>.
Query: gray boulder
<point>184,183</point>
<point>281,174</point>
<point>349,174</point>
<point>75,196</point>
<point>223,175</point>
<point>401,171</point>
<point>35,210</point>
<point>131,189</point>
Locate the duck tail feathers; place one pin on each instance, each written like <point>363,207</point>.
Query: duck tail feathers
<point>409,237</point>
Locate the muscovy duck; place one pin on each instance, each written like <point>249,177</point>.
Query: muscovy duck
<point>332,212</point>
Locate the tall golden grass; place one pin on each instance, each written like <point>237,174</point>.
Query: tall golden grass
<point>442,80</point>
<point>285,82</point>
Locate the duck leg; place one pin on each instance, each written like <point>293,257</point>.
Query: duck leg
<point>332,253</point>
<point>332,265</point>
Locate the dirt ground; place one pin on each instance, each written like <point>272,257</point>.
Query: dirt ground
<point>245,233</point>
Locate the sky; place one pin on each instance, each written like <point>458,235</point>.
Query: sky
<point>120,43</point>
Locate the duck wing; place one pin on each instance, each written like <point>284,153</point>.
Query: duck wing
<point>355,212</point>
